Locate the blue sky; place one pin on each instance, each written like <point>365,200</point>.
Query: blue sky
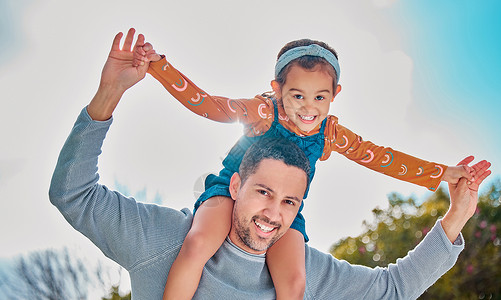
<point>456,46</point>
<point>421,77</point>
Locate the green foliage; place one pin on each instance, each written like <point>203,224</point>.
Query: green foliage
<point>115,295</point>
<point>400,227</point>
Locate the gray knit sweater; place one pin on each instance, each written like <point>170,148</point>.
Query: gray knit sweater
<point>145,239</point>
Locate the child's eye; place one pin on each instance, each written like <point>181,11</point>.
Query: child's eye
<point>299,97</point>
<point>319,98</point>
<point>289,202</point>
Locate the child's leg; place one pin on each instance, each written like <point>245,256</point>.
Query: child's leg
<point>286,263</point>
<point>210,227</point>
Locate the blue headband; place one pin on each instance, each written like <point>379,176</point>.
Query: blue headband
<point>312,50</point>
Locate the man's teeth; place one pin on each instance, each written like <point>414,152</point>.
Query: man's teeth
<point>307,118</point>
<point>263,227</point>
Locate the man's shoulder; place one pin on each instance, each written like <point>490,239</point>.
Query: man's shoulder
<point>161,214</point>
<point>312,255</point>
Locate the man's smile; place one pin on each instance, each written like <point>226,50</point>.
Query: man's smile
<point>264,228</point>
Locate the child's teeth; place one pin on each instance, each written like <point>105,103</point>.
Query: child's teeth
<point>307,118</point>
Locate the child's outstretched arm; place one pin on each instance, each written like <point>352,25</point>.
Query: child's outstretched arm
<point>388,161</point>
<point>221,109</point>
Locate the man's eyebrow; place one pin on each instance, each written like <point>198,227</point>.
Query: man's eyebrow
<point>264,186</point>
<point>294,198</point>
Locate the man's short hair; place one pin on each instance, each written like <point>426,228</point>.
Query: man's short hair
<point>273,148</point>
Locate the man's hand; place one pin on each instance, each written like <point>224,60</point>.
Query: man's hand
<point>117,76</point>
<point>464,198</point>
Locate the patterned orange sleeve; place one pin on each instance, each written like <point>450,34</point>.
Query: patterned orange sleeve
<point>384,160</point>
<point>221,109</point>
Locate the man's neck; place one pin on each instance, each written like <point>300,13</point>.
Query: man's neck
<point>233,244</point>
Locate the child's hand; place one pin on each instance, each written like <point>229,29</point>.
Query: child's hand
<point>454,173</point>
<point>144,53</point>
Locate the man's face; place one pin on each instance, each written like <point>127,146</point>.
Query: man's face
<point>265,205</point>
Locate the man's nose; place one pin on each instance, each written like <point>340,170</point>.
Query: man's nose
<point>272,211</point>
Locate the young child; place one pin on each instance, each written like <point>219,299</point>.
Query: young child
<point>306,82</point>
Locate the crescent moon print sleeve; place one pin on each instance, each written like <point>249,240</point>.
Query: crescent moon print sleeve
<point>221,109</point>
<point>381,159</point>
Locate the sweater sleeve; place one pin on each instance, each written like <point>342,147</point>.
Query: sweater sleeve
<point>216,108</point>
<point>381,159</point>
<point>328,277</point>
<point>126,231</point>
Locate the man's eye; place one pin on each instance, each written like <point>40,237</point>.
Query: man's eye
<point>319,98</point>
<point>289,202</point>
<point>263,192</point>
<point>299,97</point>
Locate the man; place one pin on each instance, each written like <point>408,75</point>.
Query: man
<point>145,238</point>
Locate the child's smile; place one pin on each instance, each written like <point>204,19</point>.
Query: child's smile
<point>306,96</point>
<point>307,119</point>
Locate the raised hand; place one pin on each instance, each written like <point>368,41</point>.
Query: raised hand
<point>464,198</point>
<point>118,70</point>
<point>118,75</point>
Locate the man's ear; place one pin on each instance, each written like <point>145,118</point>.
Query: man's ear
<point>235,183</point>
<point>338,90</point>
<point>277,89</point>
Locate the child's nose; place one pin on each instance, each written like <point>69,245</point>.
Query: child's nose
<point>309,105</point>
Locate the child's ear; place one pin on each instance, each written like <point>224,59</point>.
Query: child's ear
<point>277,89</point>
<point>235,183</point>
<point>338,90</point>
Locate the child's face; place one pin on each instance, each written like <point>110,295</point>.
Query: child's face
<point>306,96</point>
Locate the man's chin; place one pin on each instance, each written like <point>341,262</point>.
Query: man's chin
<point>256,244</point>
<point>263,244</point>
<point>259,246</point>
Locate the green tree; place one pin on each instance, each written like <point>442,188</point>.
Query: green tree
<point>400,227</point>
<point>115,295</point>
